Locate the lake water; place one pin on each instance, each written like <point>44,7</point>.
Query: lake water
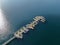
<point>17,13</point>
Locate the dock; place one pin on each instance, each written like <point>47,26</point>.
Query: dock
<point>25,29</point>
